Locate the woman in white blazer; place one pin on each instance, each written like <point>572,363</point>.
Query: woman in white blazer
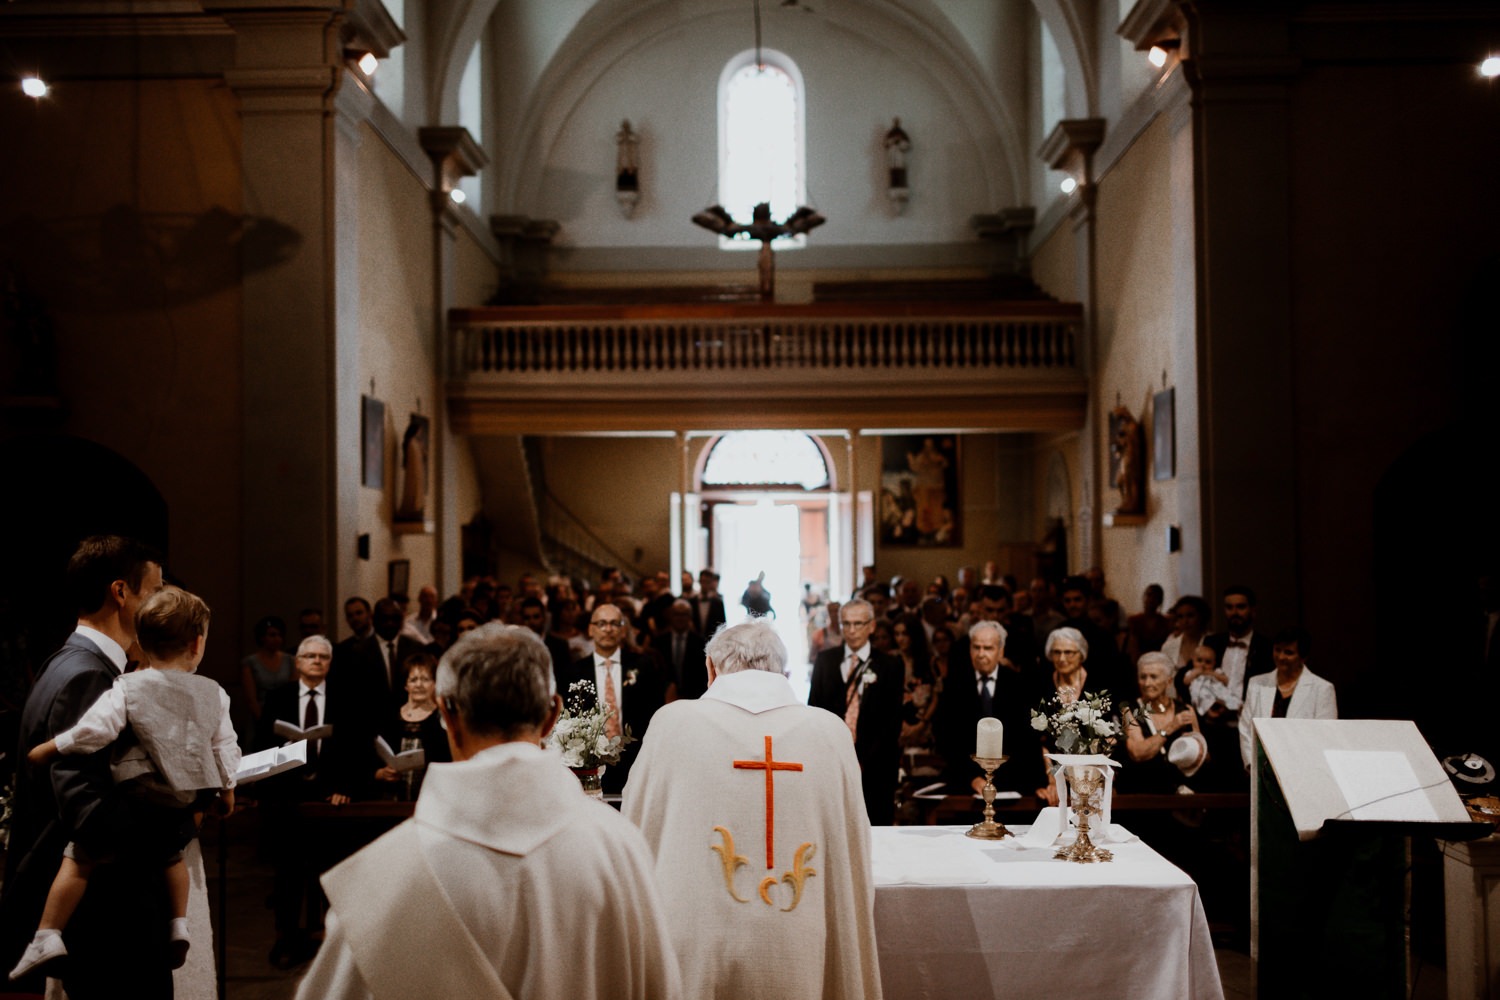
<point>1306,695</point>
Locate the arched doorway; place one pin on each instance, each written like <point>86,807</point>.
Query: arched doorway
<point>769,506</point>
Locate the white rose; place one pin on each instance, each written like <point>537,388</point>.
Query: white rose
<point>601,746</point>
<point>1102,727</point>
<point>1039,723</point>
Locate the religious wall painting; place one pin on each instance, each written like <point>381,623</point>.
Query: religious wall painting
<point>398,576</point>
<point>411,505</point>
<point>1164,435</point>
<point>795,877</point>
<point>919,490</point>
<point>372,442</point>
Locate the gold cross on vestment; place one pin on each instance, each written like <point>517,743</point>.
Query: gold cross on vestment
<point>769,766</point>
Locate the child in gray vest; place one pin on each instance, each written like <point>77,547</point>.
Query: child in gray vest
<point>182,757</point>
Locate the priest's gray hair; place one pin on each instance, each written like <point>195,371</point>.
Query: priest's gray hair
<point>750,645</point>
<point>1156,661</point>
<point>316,640</point>
<point>1072,635</point>
<point>994,627</point>
<point>498,680</point>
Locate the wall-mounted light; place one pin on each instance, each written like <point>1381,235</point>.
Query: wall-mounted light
<point>368,64</point>
<point>1490,68</point>
<point>458,196</point>
<point>33,86</point>
<point>1068,185</point>
<point>1159,53</point>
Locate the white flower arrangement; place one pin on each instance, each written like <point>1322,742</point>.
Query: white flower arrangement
<point>1085,726</point>
<point>580,734</point>
<point>867,678</point>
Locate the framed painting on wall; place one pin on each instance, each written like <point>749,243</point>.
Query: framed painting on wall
<point>1164,434</point>
<point>398,576</point>
<point>372,442</point>
<point>919,499</point>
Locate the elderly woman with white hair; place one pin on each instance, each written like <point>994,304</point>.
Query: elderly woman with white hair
<point>1067,650</point>
<point>1163,748</point>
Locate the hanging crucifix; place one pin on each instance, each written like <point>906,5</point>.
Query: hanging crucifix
<point>761,228</point>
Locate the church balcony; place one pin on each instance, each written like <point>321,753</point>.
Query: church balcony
<point>961,365</point>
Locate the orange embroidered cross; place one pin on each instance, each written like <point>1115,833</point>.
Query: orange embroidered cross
<point>769,766</point>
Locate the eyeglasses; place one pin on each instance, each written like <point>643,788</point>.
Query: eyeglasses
<point>846,623</point>
<point>609,623</point>
<point>1070,653</point>
<point>313,656</point>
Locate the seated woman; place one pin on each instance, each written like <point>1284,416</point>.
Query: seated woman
<point>919,697</point>
<point>415,724</point>
<point>269,667</point>
<point>1154,724</point>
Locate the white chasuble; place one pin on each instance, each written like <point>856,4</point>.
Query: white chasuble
<point>751,802</point>
<point>507,881</point>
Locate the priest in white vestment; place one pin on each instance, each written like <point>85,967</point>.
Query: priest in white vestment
<point>508,881</point>
<point>751,802</point>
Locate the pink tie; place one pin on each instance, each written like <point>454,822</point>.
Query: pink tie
<point>851,709</point>
<point>611,701</point>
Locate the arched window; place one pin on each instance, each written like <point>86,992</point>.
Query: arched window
<point>761,139</point>
<point>766,458</point>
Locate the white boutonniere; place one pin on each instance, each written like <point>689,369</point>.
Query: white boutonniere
<point>867,678</point>
<point>630,676</point>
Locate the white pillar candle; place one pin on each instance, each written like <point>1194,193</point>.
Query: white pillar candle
<point>989,738</point>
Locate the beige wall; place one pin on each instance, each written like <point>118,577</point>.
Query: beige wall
<point>397,351</point>
<point>1133,319</point>
<point>621,488</point>
<point>1054,264</point>
<point>120,211</point>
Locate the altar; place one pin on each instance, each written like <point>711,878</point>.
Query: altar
<point>957,917</point>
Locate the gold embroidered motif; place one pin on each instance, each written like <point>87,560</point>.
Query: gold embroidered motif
<point>732,862</point>
<point>765,888</point>
<point>799,875</point>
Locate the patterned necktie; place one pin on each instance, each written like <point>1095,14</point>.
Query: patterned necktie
<point>611,701</point>
<point>851,698</point>
<point>309,721</point>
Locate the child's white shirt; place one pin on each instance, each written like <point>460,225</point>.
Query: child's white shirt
<point>106,719</point>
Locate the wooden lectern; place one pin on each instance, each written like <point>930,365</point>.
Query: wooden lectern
<point>1331,807</point>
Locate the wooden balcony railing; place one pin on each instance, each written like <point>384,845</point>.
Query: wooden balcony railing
<point>806,362</point>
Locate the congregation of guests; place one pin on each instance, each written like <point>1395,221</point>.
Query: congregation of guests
<point>907,669</point>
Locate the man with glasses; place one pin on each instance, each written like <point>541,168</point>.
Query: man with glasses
<point>297,856</point>
<point>864,688</point>
<point>621,678</point>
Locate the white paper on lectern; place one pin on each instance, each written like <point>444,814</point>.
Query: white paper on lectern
<point>1380,785</point>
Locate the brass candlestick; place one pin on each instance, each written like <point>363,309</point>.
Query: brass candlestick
<point>989,829</point>
<point>1084,780</point>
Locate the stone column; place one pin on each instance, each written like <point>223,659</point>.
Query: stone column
<point>454,154</point>
<point>1070,147</point>
<point>286,73</point>
<point>1241,71</point>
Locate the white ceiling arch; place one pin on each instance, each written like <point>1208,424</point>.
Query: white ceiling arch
<point>915,31</point>
<point>1074,27</point>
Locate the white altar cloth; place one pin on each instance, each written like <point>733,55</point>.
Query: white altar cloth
<point>957,917</point>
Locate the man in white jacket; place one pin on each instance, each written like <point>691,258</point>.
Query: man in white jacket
<point>751,802</point>
<point>1291,691</point>
<point>508,880</point>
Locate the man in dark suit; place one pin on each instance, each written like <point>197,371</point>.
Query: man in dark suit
<point>978,687</point>
<point>681,651</point>
<point>534,617</point>
<point>1240,653</point>
<point>864,689</point>
<point>329,776</point>
<point>372,670</point>
<point>630,681</point>
<point>708,606</point>
<point>119,933</point>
